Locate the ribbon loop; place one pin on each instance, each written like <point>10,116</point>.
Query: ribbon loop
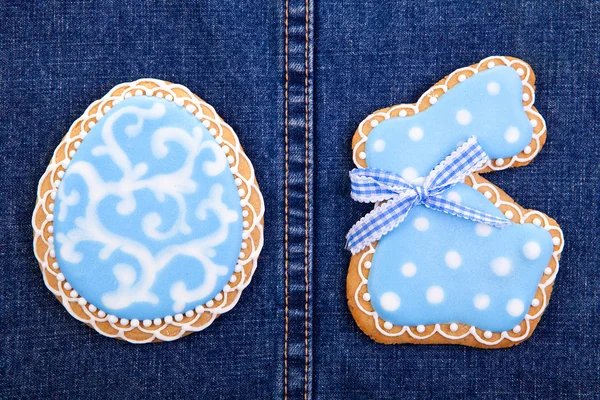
<point>375,185</point>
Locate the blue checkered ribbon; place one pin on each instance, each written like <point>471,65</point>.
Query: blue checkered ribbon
<point>370,185</point>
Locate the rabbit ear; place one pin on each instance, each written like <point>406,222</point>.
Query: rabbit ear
<point>491,100</point>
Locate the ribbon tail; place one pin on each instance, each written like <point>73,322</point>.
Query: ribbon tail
<point>369,185</point>
<point>379,222</point>
<point>441,204</point>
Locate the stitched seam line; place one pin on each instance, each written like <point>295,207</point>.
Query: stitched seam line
<point>306,158</point>
<point>286,203</point>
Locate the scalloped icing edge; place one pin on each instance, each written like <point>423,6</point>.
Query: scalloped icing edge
<point>170,327</point>
<point>458,333</point>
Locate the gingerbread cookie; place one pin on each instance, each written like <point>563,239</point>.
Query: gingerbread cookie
<point>446,257</point>
<point>148,222</point>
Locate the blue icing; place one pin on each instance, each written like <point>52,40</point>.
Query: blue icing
<point>424,139</point>
<point>439,268</point>
<point>412,262</point>
<point>147,219</point>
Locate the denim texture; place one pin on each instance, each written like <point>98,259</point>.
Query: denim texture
<point>294,78</point>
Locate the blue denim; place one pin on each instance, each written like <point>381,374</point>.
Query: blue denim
<point>295,93</point>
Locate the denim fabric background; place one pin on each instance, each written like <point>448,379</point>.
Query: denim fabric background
<point>56,57</point>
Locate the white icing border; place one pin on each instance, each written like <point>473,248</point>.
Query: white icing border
<point>171,327</point>
<point>518,334</point>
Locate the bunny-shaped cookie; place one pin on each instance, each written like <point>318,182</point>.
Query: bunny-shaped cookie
<point>435,277</point>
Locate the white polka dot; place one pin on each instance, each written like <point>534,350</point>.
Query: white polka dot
<point>501,266</point>
<point>488,194</point>
<point>415,133</point>
<point>483,230</point>
<point>548,271</point>
<point>520,71</point>
<point>532,250</point>
<point>500,162</point>
<point>509,214</point>
<point>453,259</point>
<point>366,297</point>
<point>556,240</point>
<point>409,173</point>
<point>535,302</point>
<point>388,325</point>
<point>409,270</point>
<point>515,307</point>
<point>511,134</point>
<point>533,122</point>
<point>435,294</point>
<point>487,334</point>
<point>461,78</point>
<point>453,196</point>
<point>525,96</point>
<point>374,123</point>
<point>402,113</point>
<point>379,145</point>
<point>390,301</point>
<point>453,327</point>
<point>527,150</point>
<point>433,100</point>
<point>421,224</point>
<point>464,117</point>
<point>367,264</point>
<point>481,301</point>
<point>491,64</point>
<point>537,221</point>
<point>420,328</point>
<point>362,155</point>
<point>493,88</point>
<point>517,329</point>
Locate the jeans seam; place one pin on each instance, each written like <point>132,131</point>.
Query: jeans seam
<point>286,203</point>
<point>298,199</point>
<point>306,199</point>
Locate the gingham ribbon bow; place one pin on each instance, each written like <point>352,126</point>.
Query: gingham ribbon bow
<point>370,185</point>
